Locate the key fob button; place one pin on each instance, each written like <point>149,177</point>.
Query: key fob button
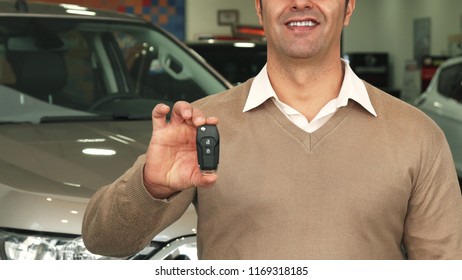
<point>208,142</point>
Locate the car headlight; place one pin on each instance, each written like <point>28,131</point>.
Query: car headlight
<point>184,248</point>
<point>29,245</point>
<point>36,246</point>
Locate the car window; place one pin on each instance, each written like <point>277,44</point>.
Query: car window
<point>50,69</point>
<point>450,82</point>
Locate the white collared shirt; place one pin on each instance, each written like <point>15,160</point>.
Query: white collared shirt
<point>352,88</point>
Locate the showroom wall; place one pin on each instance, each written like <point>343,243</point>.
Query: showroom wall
<point>388,26</point>
<point>201,16</point>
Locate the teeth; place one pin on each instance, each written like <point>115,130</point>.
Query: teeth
<point>302,23</point>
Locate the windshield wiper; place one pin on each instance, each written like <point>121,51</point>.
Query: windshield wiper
<point>113,117</point>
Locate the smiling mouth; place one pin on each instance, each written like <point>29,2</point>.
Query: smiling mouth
<point>306,23</point>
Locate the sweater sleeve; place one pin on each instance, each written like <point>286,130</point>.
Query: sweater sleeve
<point>122,218</point>
<point>433,226</point>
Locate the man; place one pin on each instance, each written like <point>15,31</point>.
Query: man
<point>314,163</point>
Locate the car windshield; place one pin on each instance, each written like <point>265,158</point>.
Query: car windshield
<point>72,70</point>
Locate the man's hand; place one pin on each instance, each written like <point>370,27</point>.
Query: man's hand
<point>171,160</point>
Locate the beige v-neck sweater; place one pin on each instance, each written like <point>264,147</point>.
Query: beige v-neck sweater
<point>357,188</point>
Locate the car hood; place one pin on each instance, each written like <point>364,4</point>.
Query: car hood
<point>50,171</point>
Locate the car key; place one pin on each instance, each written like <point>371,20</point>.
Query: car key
<point>208,148</point>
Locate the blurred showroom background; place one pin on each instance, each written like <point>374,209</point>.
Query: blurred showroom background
<point>405,32</point>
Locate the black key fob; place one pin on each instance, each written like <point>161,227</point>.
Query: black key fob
<point>208,148</point>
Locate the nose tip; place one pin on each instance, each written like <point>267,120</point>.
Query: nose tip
<point>302,5</point>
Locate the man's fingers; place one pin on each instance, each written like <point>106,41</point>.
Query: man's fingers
<point>182,112</point>
<point>206,181</point>
<point>198,118</point>
<point>159,116</point>
<point>212,120</point>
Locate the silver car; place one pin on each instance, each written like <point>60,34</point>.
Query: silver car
<point>442,101</point>
<point>77,87</point>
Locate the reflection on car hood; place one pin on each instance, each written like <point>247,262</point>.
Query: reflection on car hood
<point>49,171</point>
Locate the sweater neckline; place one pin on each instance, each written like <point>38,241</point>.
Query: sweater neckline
<point>309,140</point>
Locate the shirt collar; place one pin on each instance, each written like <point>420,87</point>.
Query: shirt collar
<point>352,88</point>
